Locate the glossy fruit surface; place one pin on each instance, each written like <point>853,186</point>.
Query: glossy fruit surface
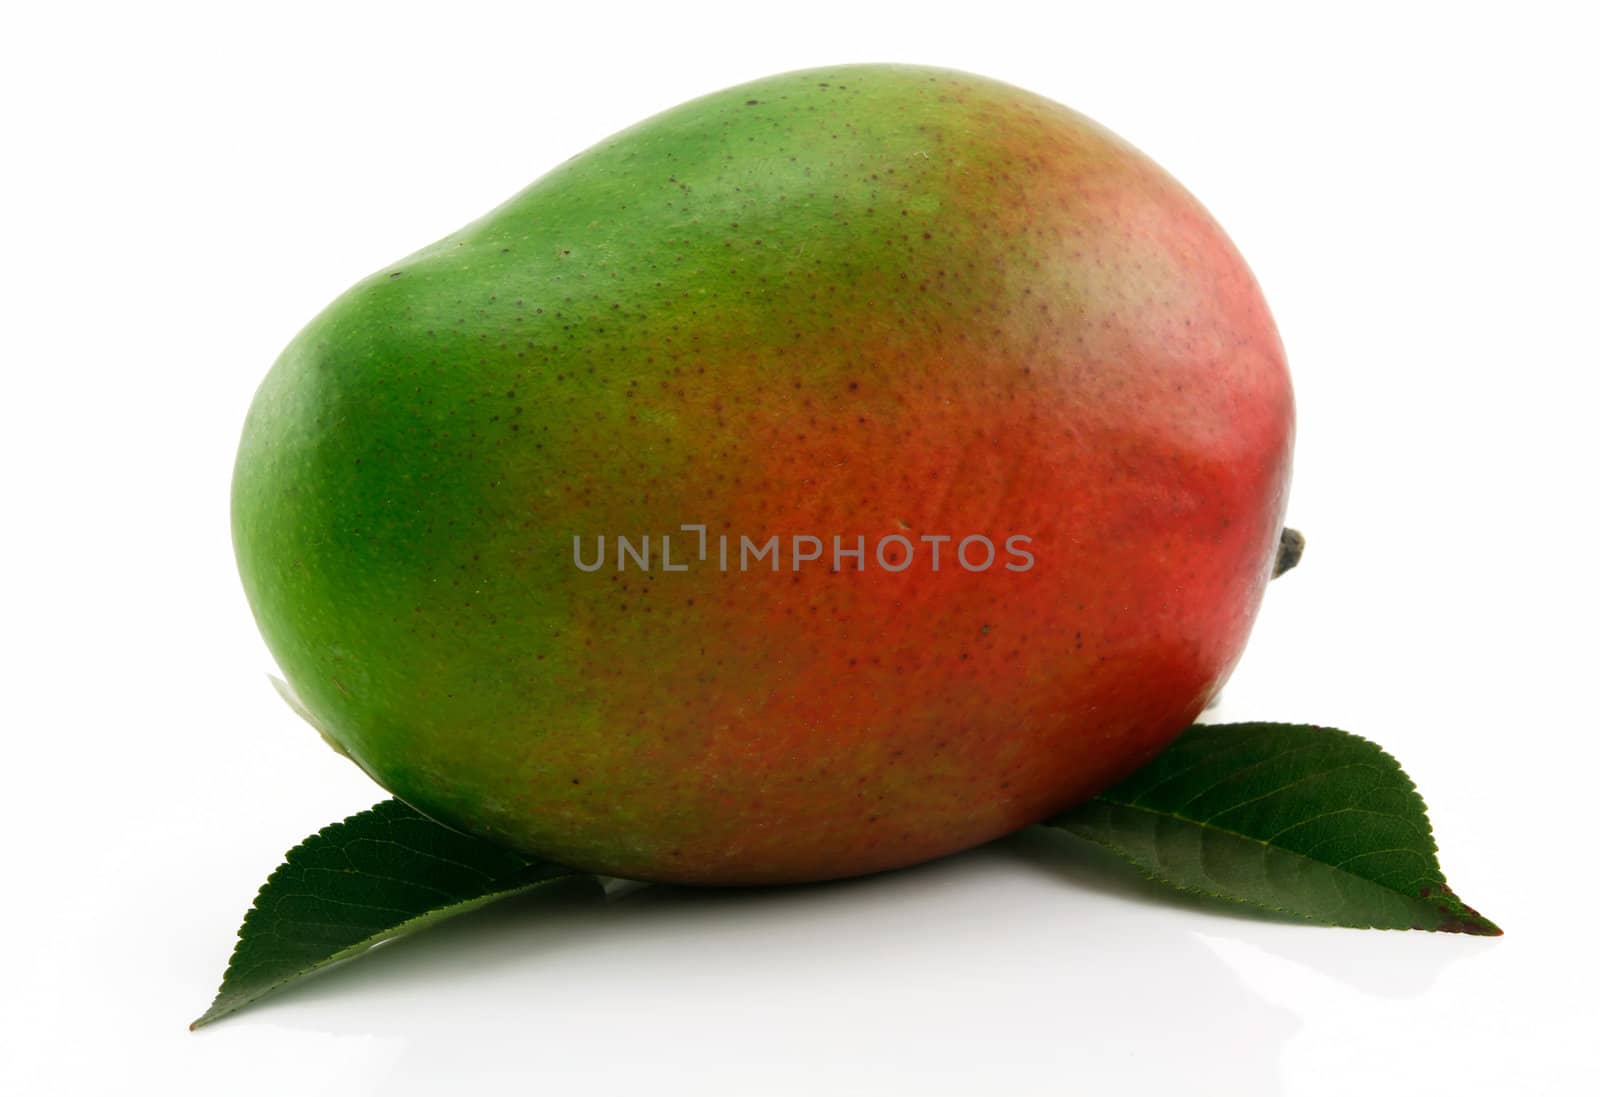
<point>870,301</point>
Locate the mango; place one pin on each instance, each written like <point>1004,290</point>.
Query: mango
<point>829,474</point>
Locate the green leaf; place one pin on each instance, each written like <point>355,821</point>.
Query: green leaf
<point>1302,820</point>
<point>378,875</point>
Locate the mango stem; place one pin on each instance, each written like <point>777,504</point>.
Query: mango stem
<point>1291,546</point>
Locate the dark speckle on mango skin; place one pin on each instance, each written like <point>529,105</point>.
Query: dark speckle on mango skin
<point>865,300</point>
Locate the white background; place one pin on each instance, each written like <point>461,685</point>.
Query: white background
<point>1415,187</point>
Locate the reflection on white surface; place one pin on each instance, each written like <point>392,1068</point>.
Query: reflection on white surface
<point>982,971</point>
<point>1032,965</point>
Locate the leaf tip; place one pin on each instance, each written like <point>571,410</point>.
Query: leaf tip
<point>1475,926</point>
<point>1458,917</point>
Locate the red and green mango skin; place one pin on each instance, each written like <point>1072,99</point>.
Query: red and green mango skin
<point>859,301</point>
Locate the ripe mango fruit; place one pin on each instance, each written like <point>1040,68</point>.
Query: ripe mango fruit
<point>885,307</point>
